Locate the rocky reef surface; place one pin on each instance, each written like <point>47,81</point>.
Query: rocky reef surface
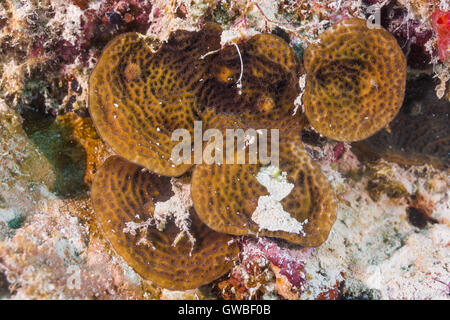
<point>391,237</point>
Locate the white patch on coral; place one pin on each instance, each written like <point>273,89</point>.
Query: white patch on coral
<point>298,103</point>
<point>271,216</point>
<point>275,182</point>
<point>269,213</point>
<point>177,208</point>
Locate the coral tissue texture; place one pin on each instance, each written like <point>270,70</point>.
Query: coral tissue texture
<point>356,80</point>
<point>231,195</point>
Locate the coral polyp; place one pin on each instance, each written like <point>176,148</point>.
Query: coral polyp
<point>355,80</point>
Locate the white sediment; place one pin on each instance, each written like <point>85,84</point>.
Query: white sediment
<point>176,208</point>
<point>269,213</point>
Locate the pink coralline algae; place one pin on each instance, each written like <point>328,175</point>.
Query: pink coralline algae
<point>290,267</point>
<point>441,25</point>
<point>113,17</point>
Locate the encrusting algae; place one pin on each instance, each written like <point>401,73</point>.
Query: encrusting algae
<point>92,205</point>
<point>141,91</point>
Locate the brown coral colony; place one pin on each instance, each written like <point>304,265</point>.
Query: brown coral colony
<point>355,80</point>
<point>234,190</point>
<point>139,95</point>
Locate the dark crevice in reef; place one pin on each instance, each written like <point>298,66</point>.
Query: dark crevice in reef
<point>419,134</point>
<point>66,155</point>
<point>409,32</point>
<point>356,290</point>
<point>4,286</point>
